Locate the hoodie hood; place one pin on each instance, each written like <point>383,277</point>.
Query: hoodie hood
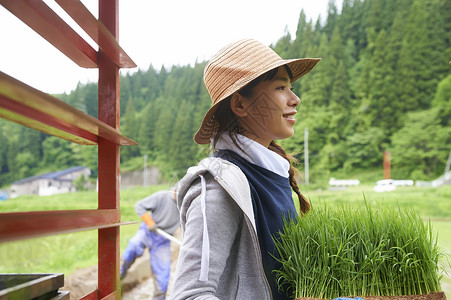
<point>229,177</point>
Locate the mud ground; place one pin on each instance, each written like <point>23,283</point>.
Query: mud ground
<point>136,285</point>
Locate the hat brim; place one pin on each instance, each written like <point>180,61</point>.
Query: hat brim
<point>298,67</point>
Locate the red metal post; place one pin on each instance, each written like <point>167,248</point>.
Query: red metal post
<point>387,165</point>
<point>108,157</point>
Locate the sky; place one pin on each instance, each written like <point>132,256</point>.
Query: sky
<point>172,32</point>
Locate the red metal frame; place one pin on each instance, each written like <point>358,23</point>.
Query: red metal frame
<point>25,105</point>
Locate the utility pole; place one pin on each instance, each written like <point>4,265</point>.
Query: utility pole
<point>306,155</point>
<point>387,165</point>
<point>448,163</point>
<point>145,174</point>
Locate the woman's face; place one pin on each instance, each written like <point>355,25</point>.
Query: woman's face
<point>269,111</point>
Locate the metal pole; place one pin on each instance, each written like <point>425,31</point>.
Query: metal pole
<point>448,164</point>
<point>387,165</point>
<point>109,159</point>
<point>168,236</point>
<point>145,174</point>
<point>306,155</point>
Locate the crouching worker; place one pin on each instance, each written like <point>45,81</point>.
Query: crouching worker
<point>158,211</point>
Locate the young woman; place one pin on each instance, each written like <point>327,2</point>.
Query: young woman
<point>232,204</point>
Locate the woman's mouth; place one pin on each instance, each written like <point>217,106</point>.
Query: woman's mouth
<point>289,116</point>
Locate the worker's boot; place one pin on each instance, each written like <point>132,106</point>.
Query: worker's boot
<point>158,294</point>
<point>124,267</point>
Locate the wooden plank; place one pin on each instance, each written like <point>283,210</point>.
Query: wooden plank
<point>32,108</point>
<point>21,225</point>
<point>108,158</point>
<point>30,286</point>
<point>116,295</point>
<point>32,118</point>
<point>94,295</point>
<point>97,31</point>
<point>42,19</point>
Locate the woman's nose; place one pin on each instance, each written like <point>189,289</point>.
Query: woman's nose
<point>294,100</point>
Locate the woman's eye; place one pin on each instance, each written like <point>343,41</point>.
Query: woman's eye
<point>282,88</point>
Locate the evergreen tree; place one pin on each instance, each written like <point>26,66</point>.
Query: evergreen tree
<point>383,108</point>
<point>442,101</point>
<point>318,81</point>
<point>130,128</point>
<point>364,149</point>
<point>84,155</point>
<point>303,36</point>
<point>351,24</point>
<point>3,157</point>
<point>421,147</point>
<point>283,45</point>
<point>381,59</point>
<point>90,99</point>
<point>147,131</point>
<point>439,49</point>
<point>413,65</point>
<point>57,154</point>
<point>331,20</point>
<point>126,90</point>
<point>180,148</point>
<point>374,15</point>
<point>153,84</point>
<point>340,96</point>
<point>163,127</point>
<point>303,46</point>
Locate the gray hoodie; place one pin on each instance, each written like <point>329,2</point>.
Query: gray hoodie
<point>220,256</point>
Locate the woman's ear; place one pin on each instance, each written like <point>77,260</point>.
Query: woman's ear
<point>238,105</point>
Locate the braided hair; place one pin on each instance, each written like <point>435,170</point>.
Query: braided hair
<point>304,205</point>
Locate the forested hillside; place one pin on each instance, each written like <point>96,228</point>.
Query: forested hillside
<point>384,84</point>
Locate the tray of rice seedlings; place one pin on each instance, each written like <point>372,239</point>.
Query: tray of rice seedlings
<point>372,251</point>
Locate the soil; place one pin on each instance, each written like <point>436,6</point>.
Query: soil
<point>137,284</point>
<point>431,296</point>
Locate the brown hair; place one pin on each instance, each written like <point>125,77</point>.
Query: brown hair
<point>227,121</point>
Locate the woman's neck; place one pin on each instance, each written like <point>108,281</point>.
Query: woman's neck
<point>254,152</point>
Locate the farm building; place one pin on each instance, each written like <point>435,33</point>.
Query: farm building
<point>49,183</point>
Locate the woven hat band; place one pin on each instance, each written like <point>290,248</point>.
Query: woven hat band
<point>235,66</point>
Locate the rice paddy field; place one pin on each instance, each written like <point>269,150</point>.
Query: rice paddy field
<point>66,253</point>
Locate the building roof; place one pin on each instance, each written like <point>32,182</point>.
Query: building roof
<point>50,175</point>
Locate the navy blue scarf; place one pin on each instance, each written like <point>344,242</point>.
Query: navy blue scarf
<point>272,201</point>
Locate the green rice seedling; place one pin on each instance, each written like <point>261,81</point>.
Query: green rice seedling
<point>372,250</point>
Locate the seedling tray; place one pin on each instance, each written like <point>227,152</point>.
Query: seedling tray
<point>431,296</point>
<point>32,286</point>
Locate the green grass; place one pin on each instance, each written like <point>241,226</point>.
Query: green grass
<point>430,202</point>
<point>65,253</point>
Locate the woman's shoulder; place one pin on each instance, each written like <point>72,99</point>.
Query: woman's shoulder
<point>220,175</point>
<point>218,168</point>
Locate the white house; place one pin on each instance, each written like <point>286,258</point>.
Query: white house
<point>49,183</point>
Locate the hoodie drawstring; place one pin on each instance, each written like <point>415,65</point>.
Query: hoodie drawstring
<point>205,262</point>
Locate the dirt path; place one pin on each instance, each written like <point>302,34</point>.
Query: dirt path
<point>136,285</point>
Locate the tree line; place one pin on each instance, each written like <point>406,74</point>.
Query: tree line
<point>383,84</point>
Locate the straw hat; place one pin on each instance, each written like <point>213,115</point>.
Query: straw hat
<point>233,67</point>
